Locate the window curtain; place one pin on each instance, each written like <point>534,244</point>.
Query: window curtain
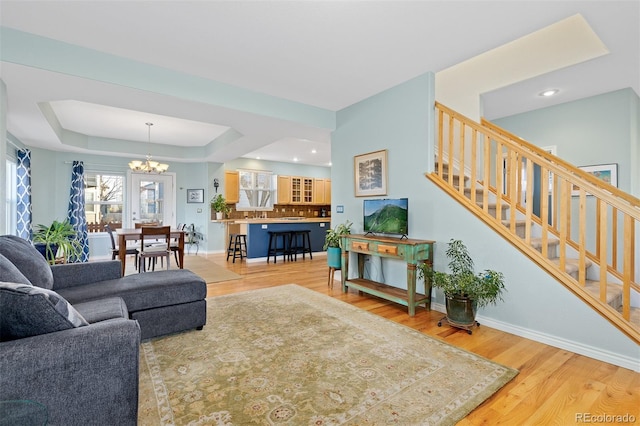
<point>76,213</point>
<point>23,192</point>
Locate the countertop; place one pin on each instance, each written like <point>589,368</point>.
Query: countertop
<point>282,220</point>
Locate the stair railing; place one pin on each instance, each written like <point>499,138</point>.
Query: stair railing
<point>527,194</point>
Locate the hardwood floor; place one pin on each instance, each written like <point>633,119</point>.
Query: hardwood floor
<point>554,387</point>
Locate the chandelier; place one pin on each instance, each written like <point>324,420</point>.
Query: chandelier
<point>148,166</point>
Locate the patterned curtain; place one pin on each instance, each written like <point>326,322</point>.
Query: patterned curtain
<point>76,213</point>
<point>23,184</point>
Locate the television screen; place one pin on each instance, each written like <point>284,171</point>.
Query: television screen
<point>386,216</point>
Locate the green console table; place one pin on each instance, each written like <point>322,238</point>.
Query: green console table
<point>408,250</point>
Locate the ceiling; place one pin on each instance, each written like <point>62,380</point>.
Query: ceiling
<point>323,54</point>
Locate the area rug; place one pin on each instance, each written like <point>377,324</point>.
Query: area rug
<point>291,356</point>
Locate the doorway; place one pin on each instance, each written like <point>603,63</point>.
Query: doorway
<point>152,198</point>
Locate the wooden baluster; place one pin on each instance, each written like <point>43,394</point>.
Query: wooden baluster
<point>544,210</point>
<point>441,143</point>
<point>582,237</point>
<point>461,161</point>
<point>564,207</point>
<point>487,170</point>
<point>529,198</point>
<point>601,217</point>
<point>614,238</point>
<point>499,174</point>
<point>628,266</point>
<point>474,167</point>
<point>450,152</point>
<point>513,188</point>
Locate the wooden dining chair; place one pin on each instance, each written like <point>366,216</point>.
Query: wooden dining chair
<point>115,249</point>
<point>175,244</point>
<point>155,242</point>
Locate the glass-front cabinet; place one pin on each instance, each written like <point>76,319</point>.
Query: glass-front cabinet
<point>303,190</point>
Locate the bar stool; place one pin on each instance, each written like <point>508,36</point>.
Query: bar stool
<point>300,242</point>
<point>274,249</point>
<point>237,246</point>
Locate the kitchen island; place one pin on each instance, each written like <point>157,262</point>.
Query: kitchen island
<point>257,231</point>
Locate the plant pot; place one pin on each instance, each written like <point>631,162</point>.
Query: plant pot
<point>461,311</point>
<point>218,215</point>
<point>42,249</point>
<point>334,257</point>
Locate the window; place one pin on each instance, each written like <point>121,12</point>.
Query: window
<point>256,190</point>
<point>103,195</point>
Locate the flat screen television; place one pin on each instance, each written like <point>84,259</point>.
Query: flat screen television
<point>386,216</point>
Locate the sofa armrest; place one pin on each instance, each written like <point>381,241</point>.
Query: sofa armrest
<point>74,274</point>
<point>85,375</point>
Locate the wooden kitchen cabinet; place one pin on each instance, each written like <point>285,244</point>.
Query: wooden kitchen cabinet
<point>284,189</point>
<point>321,191</point>
<point>231,186</point>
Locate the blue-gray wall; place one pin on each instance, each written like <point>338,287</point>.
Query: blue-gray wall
<point>601,129</point>
<point>536,306</point>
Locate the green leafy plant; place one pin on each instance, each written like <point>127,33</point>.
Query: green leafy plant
<point>58,237</point>
<point>219,204</point>
<point>332,238</point>
<point>484,288</point>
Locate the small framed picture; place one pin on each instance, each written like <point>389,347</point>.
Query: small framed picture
<point>607,173</point>
<point>195,195</point>
<point>370,173</point>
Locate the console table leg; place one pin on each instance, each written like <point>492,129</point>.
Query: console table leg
<point>411,290</point>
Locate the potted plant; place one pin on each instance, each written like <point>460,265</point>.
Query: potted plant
<point>464,290</point>
<point>333,243</point>
<point>59,237</point>
<point>219,205</point>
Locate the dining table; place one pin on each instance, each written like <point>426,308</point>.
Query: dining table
<point>131,234</point>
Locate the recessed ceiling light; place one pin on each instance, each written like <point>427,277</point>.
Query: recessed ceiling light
<point>295,158</point>
<point>258,157</point>
<point>313,151</point>
<point>548,93</point>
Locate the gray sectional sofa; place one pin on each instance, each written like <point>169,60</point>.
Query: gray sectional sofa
<point>70,334</point>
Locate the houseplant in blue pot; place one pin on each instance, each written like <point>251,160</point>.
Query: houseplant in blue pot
<point>332,244</point>
<point>58,238</point>
<point>464,290</point>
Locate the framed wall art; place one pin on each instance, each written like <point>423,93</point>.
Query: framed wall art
<point>605,172</point>
<point>370,173</point>
<point>195,195</point>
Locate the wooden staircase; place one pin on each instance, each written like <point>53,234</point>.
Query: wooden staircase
<point>594,259</point>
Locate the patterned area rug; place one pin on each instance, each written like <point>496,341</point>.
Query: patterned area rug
<point>291,356</point>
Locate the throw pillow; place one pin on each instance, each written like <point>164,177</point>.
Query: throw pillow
<point>9,272</point>
<point>30,311</point>
<point>27,259</point>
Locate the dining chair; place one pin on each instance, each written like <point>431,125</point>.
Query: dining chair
<point>115,249</point>
<point>157,245</point>
<point>139,225</point>
<point>175,244</point>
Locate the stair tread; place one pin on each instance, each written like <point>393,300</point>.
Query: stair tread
<point>571,265</point>
<point>537,242</point>
<point>634,316</point>
<point>614,292</point>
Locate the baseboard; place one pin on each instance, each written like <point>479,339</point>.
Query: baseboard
<point>556,342</point>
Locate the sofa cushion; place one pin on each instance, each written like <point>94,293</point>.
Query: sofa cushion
<point>101,310</point>
<point>27,259</point>
<point>144,291</point>
<point>9,272</point>
<point>30,311</point>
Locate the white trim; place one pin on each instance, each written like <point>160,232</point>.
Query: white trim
<point>556,342</point>
<point>575,347</point>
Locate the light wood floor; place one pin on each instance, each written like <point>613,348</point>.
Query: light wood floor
<point>554,387</point>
